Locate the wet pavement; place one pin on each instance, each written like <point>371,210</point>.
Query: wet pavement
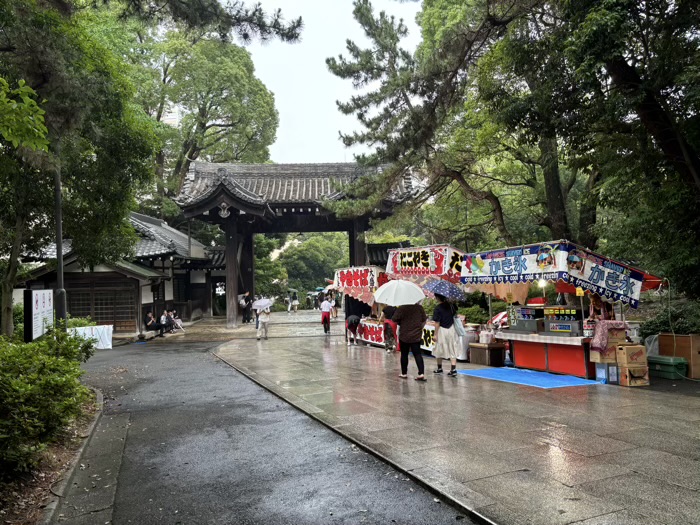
<point>185,439</point>
<point>599,454</point>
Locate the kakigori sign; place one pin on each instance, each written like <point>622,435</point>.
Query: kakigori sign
<point>558,261</point>
<point>439,261</point>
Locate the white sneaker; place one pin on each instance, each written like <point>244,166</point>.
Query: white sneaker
<point>349,343</point>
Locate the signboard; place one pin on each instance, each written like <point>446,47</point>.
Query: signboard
<point>561,261</point>
<point>439,261</point>
<point>38,313</point>
<point>359,282</point>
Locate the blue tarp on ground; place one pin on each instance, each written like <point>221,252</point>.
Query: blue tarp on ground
<point>528,377</point>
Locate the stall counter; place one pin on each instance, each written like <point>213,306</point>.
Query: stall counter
<point>371,332</point>
<point>560,355</point>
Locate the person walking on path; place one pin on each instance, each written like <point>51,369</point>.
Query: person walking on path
<point>295,302</point>
<point>247,308</point>
<point>410,319</point>
<point>445,337</point>
<point>351,323</point>
<point>326,308</point>
<point>263,322</point>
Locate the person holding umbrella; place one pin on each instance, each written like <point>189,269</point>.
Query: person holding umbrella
<point>446,338</point>
<point>262,311</point>
<point>410,318</point>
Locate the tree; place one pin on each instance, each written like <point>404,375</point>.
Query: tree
<point>316,258</point>
<point>106,142</point>
<point>270,275</point>
<point>229,115</point>
<point>598,99</point>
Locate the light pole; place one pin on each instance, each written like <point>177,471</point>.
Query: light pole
<point>59,298</point>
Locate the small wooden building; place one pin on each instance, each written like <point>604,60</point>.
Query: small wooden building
<point>169,270</point>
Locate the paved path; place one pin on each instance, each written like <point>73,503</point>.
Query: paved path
<point>185,439</point>
<point>592,455</point>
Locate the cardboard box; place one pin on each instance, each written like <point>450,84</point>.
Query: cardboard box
<point>617,335</point>
<point>685,346</point>
<point>634,376</point>
<point>608,356</point>
<point>631,355</point>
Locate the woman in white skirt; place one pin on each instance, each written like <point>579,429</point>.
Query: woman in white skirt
<point>445,336</point>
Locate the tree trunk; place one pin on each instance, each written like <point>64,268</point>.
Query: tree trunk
<point>492,199</point>
<point>588,213</point>
<point>9,279</point>
<point>556,205</point>
<point>659,123</point>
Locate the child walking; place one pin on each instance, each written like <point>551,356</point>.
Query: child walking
<point>263,322</point>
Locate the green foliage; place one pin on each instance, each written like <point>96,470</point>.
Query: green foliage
<point>102,143</point>
<point>270,275</point>
<point>316,258</point>
<point>40,392</point>
<point>79,322</point>
<point>681,319</point>
<point>18,314</point>
<point>21,118</point>
<point>474,314</point>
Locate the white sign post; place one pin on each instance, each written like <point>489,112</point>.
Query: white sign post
<point>38,313</point>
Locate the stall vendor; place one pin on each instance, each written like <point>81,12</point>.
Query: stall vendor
<point>600,309</point>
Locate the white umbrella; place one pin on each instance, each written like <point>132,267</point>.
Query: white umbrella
<point>396,293</point>
<point>261,304</point>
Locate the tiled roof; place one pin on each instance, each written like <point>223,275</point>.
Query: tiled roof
<point>49,252</point>
<point>157,238</point>
<point>267,183</point>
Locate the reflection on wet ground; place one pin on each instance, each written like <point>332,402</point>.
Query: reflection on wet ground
<point>594,455</point>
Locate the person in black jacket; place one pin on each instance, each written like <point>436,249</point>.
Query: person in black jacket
<point>152,324</point>
<point>247,308</point>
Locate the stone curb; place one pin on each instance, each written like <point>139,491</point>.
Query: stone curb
<point>60,488</point>
<point>299,405</point>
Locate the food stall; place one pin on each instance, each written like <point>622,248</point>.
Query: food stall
<point>422,264</point>
<point>551,337</point>
<point>360,282</point>
<point>419,264</point>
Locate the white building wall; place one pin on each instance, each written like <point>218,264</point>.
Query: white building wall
<point>169,290</point>
<point>146,294</point>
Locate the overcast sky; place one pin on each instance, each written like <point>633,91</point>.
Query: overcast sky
<point>305,91</point>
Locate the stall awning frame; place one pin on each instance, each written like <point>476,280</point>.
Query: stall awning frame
<point>359,282</point>
<point>423,263</point>
<point>559,261</point>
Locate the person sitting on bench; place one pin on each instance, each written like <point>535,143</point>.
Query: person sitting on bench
<point>152,324</point>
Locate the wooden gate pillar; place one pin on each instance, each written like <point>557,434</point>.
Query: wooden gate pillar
<point>247,263</point>
<point>231,273</point>
<point>358,248</point>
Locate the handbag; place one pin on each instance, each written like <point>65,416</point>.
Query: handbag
<point>459,327</point>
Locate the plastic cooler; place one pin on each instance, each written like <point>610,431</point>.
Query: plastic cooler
<point>667,367</point>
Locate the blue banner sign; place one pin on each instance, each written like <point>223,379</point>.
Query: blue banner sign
<point>556,261</point>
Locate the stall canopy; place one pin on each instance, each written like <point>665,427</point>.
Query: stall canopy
<point>568,264</point>
<point>420,264</point>
<point>359,282</point>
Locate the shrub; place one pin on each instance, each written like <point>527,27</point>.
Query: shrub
<point>79,322</point>
<point>474,314</point>
<point>40,393</point>
<point>681,319</point>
